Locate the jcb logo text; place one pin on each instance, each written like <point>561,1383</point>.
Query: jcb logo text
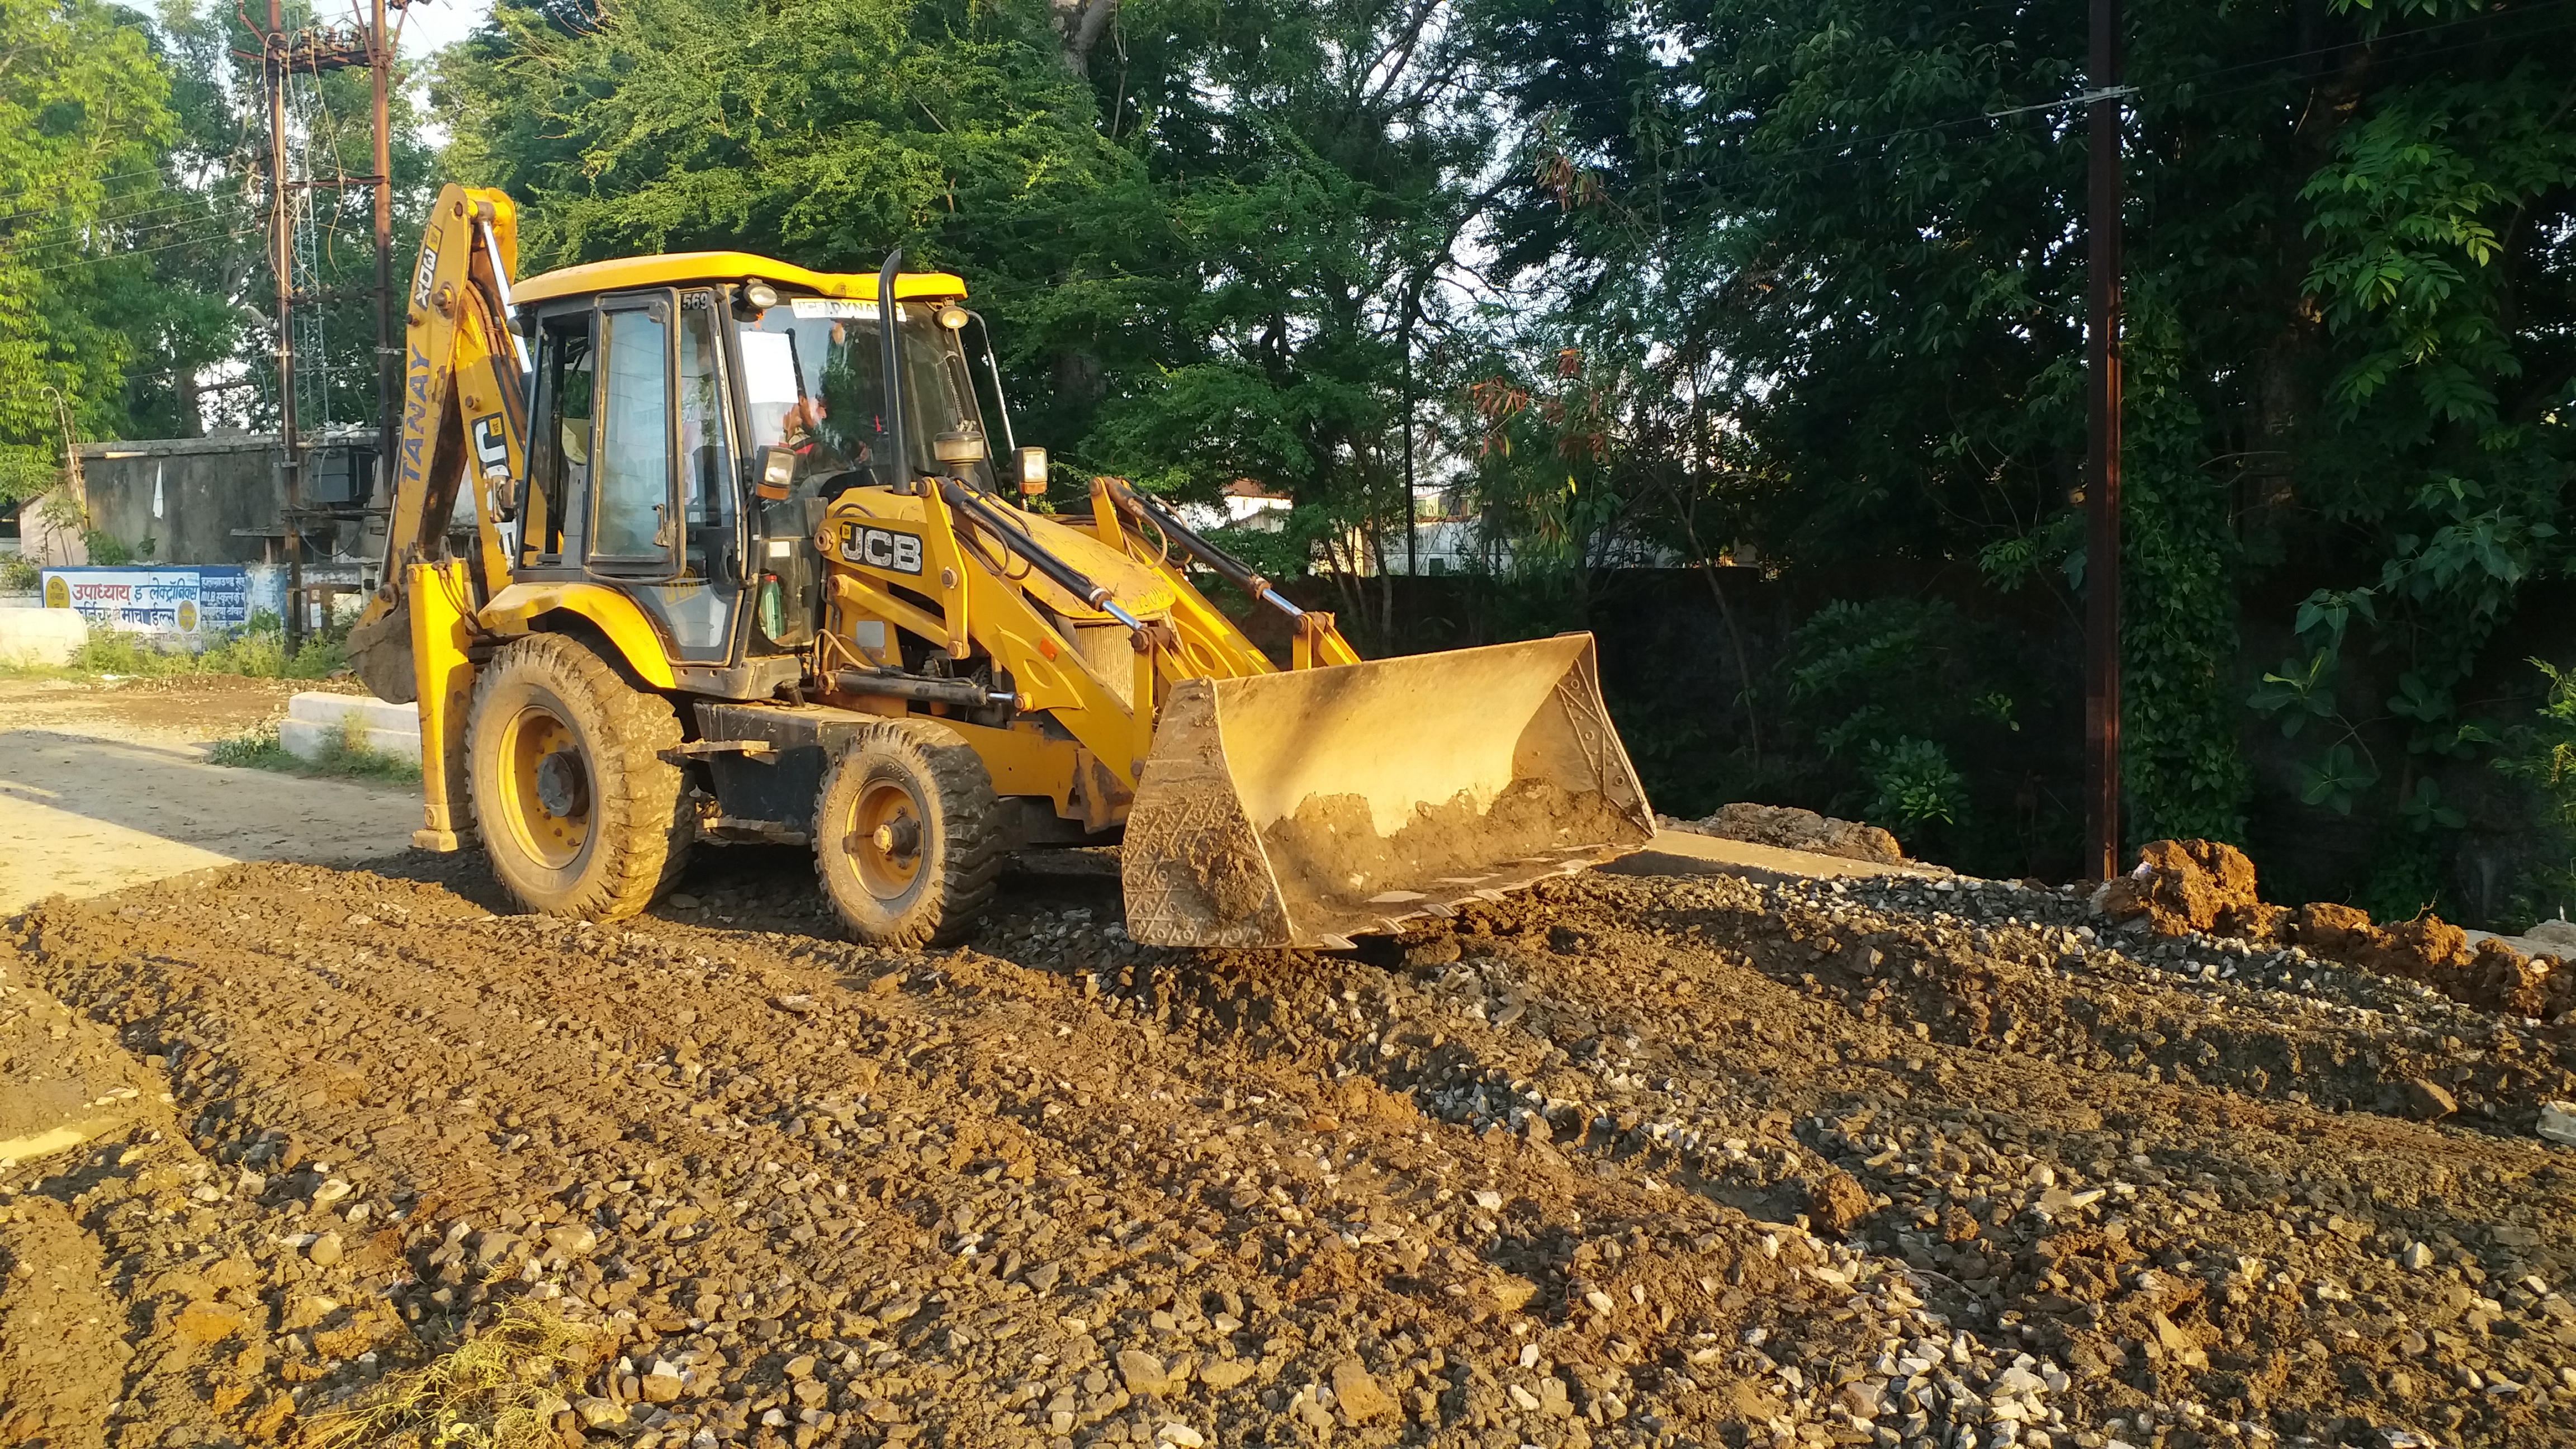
<point>881,548</point>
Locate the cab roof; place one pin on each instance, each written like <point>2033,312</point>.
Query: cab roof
<point>681,268</point>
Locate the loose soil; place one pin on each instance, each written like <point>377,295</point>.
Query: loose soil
<point>1331,862</point>
<point>1624,1159</point>
<point>1791,828</point>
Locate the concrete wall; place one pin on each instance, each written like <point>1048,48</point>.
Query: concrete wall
<point>219,499</point>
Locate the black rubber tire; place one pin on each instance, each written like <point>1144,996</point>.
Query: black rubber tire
<point>636,828</point>
<point>959,850</point>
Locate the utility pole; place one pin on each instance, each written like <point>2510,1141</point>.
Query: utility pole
<point>276,48</point>
<point>389,360</point>
<point>2102,471</point>
<point>313,50</point>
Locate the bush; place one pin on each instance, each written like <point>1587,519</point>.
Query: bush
<point>1915,717</point>
<point>256,650</point>
<point>347,756</point>
<point>106,550</point>
<point>2542,754</point>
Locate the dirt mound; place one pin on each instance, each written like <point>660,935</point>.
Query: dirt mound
<point>2428,949</point>
<point>1793,829</point>
<point>2205,888</point>
<point>2182,886</point>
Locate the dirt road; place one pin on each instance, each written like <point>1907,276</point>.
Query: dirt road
<point>1636,1160</point>
<point>106,785</point>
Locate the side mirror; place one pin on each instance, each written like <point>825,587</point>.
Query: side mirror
<point>962,446</point>
<point>1033,472</point>
<point>777,472</point>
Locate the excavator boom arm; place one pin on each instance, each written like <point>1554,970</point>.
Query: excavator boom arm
<point>463,423</point>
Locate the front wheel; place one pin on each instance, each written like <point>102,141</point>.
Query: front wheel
<point>581,814</point>
<point>907,834</point>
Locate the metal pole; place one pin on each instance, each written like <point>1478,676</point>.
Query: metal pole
<point>2102,473</point>
<point>1412,542</point>
<point>380,58</point>
<point>282,258</point>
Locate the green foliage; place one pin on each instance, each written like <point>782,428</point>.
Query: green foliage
<point>213,239</point>
<point>829,134</point>
<point>2405,881</point>
<point>256,651</point>
<point>2541,753</point>
<point>1914,717</point>
<point>133,243</point>
<point>2347,345</point>
<point>1911,781</point>
<point>84,117</point>
<point>106,550</point>
<point>344,756</point>
<point>1644,285</point>
<point>1205,257</point>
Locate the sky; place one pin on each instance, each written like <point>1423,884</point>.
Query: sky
<point>429,24</point>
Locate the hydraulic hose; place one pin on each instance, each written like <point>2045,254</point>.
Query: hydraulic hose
<point>980,511</point>
<point>1233,570</point>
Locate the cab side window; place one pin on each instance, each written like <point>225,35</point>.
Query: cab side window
<point>559,445</point>
<point>706,472</point>
<point>631,515</point>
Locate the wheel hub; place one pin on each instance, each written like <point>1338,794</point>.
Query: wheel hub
<point>563,787</point>
<point>545,801</point>
<point>885,839</point>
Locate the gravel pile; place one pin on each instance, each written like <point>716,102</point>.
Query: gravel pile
<point>1650,1161</point>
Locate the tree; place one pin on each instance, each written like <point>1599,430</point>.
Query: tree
<point>1322,168</point>
<point>2349,349</point>
<point>84,115</point>
<point>1205,236</point>
<point>219,333</point>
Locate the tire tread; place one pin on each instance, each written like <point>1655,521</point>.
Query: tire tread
<point>979,846</point>
<point>644,818</point>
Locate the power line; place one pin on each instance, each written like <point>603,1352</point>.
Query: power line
<point>95,181</point>
<point>142,251</point>
<point>2342,45</point>
<point>181,200</point>
<point>238,155</point>
<point>74,238</point>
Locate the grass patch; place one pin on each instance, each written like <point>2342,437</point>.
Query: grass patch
<point>498,1390</point>
<point>254,651</point>
<point>345,757</point>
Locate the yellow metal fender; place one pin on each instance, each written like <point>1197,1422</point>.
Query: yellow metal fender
<point>516,609</point>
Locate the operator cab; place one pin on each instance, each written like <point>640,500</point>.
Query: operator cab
<point>692,415</point>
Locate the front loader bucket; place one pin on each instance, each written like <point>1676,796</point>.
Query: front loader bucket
<point>1307,807</point>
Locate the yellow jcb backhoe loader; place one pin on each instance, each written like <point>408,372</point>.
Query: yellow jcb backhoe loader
<point>710,547</point>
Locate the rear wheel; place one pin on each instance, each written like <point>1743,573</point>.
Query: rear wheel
<point>907,834</point>
<point>580,813</point>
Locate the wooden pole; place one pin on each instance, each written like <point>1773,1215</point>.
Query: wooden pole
<point>2102,480</point>
<point>274,54</point>
<point>389,359</point>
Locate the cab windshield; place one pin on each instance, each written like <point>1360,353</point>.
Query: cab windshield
<point>812,381</point>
